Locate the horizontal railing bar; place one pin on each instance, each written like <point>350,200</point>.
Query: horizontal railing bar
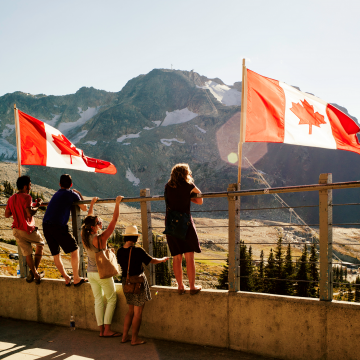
<point>251,192</point>
<point>348,204</point>
<point>276,279</point>
<point>281,207</point>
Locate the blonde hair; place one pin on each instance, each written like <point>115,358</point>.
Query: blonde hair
<point>178,173</point>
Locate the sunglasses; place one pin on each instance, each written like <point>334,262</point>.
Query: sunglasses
<point>99,222</point>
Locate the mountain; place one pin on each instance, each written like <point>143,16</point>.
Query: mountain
<point>166,117</point>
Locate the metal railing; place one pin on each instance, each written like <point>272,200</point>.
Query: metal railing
<point>321,233</point>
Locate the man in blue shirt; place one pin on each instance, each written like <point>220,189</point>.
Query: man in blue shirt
<point>56,231</point>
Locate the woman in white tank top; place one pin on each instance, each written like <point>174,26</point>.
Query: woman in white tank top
<point>100,287</point>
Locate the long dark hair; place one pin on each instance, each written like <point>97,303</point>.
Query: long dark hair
<point>86,229</point>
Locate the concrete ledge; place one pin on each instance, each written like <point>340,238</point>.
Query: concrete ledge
<point>270,325</point>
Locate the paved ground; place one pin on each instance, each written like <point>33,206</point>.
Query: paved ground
<point>25,340</point>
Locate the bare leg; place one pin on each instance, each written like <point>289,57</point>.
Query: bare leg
<point>75,259</point>
<point>177,266</point>
<point>190,266</point>
<point>38,255</point>
<point>109,332</point>
<point>136,325</point>
<point>60,266</point>
<point>101,327</point>
<point>127,323</point>
<point>32,267</point>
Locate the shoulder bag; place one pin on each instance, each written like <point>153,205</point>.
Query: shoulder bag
<point>106,262</point>
<point>177,223</point>
<point>132,283</point>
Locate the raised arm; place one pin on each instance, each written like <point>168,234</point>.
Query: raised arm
<point>107,233</point>
<point>198,201</point>
<point>83,207</point>
<point>91,208</point>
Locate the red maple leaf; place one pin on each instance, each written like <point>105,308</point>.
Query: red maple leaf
<point>65,146</point>
<point>306,114</point>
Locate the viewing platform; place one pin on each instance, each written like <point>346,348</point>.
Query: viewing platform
<point>29,340</point>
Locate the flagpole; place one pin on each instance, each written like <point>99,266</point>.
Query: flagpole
<point>242,118</point>
<point>18,143</point>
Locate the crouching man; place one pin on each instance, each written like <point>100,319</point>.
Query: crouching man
<point>22,209</point>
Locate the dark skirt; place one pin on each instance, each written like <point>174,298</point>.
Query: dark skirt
<point>138,299</point>
<point>190,244</point>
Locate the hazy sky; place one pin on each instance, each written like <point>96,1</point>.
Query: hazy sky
<point>56,47</point>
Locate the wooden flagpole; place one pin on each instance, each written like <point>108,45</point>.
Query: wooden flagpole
<point>18,143</point>
<point>243,118</point>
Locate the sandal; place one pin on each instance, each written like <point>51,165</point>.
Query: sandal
<point>195,291</point>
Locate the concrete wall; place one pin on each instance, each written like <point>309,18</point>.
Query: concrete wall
<point>271,325</point>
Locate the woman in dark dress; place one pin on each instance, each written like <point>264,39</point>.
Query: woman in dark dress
<point>178,191</point>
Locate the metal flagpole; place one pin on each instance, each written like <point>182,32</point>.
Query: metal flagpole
<point>243,118</point>
<point>18,143</point>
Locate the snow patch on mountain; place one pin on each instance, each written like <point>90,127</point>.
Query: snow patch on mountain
<point>168,142</point>
<point>223,93</point>
<point>8,130</point>
<point>53,121</point>
<point>178,117</point>
<point>157,122</point>
<point>7,150</point>
<point>91,142</point>
<point>202,130</point>
<point>85,116</point>
<point>79,136</point>
<point>132,178</point>
<point>130,136</point>
<point>148,128</point>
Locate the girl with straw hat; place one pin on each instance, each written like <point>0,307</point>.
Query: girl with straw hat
<point>136,302</point>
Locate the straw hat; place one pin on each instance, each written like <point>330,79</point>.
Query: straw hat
<point>131,230</point>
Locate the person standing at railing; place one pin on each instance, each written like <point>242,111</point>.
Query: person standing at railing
<point>56,230</point>
<point>22,209</point>
<point>136,301</point>
<point>92,240</point>
<point>178,191</point>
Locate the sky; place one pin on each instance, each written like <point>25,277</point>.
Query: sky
<point>57,47</point>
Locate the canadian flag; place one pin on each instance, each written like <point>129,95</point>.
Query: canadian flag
<point>277,112</point>
<point>41,144</point>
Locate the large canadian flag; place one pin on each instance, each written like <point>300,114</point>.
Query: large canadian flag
<point>41,144</point>
<point>277,112</point>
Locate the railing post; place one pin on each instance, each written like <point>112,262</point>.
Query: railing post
<point>147,232</point>
<point>24,269</point>
<point>76,225</point>
<point>325,230</point>
<point>234,239</point>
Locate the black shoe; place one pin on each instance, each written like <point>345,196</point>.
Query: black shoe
<point>30,277</point>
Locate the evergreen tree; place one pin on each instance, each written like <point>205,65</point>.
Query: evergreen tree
<point>350,295</point>
<point>269,282</point>
<point>246,281</point>
<point>259,284</point>
<point>162,271</point>
<point>341,274</point>
<point>302,286</point>
<point>314,273</point>
<point>289,272</point>
<point>357,289</point>
<point>223,280</point>
<point>280,284</point>
<point>8,189</point>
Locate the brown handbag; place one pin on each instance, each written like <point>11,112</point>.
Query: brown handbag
<point>106,262</point>
<point>132,283</point>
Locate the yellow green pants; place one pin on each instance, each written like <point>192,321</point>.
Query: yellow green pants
<point>101,287</point>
